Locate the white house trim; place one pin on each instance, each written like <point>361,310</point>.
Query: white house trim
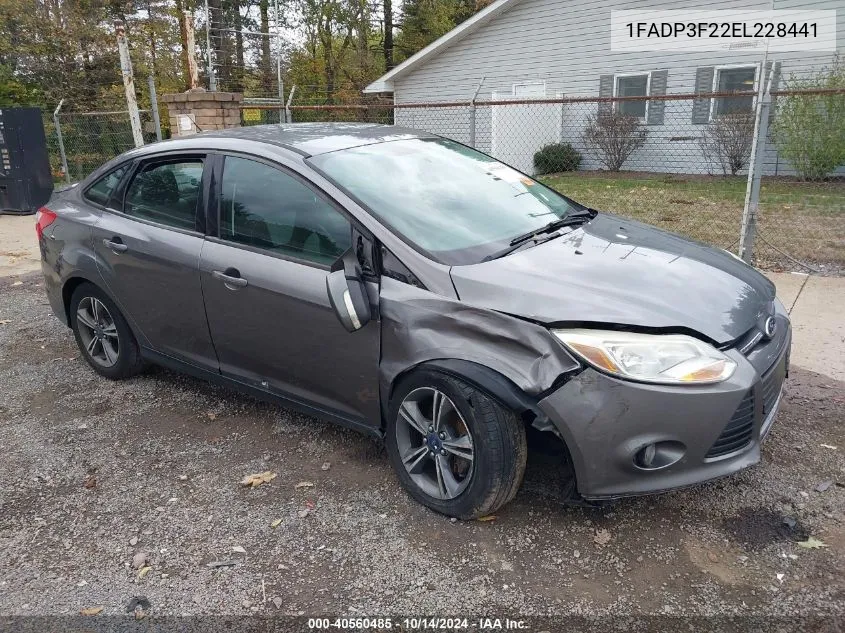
<point>647,75</point>
<point>718,69</point>
<point>385,82</point>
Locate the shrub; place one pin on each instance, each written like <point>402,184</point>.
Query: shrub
<point>809,130</point>
<point>614,137</point>
<point>727,141</point>
<point>556,157</point>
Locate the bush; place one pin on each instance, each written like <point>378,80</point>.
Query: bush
<point>614,137</point>
<point>809,130</point>
<point>556,157</point>
<point>727,141</point>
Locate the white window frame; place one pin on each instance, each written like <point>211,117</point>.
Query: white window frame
<point>528,83</point>
<point>619,76</point>
<point>718,69</point>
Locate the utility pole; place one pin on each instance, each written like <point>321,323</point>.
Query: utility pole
<point>128,83</point>
<point>191,69</point>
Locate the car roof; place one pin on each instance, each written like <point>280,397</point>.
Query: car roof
<point>308,139</point>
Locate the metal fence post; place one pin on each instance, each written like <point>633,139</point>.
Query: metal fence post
<point>154,105</point>
<point>288,115</point>
<point>61,141</point>
<point>755,169</point>
<point>472,114</point>
<point>212,80</point>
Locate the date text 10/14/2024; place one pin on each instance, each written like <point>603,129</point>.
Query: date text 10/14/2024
<point>418,624</point>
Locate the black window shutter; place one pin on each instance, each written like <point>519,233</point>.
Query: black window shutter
<point>656,109</point>
<point>703,86</point>
<point>605,90</point>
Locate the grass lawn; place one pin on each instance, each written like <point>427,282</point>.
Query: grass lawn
<point>804,219</point>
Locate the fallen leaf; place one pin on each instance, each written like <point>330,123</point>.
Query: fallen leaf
<point>144,571</point>
<point>304,484</point>
<point>602,537</point>
<point>258,478</point>
<point>309,504</point>
<point>489,517</point>
<point>91,611</point>
<point>239,549</point>
<point>276,523</point>
<point>90,482</point>
<point>211,415</point>
<point>812,543</point>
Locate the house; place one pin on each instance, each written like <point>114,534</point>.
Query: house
<point>534,49</point>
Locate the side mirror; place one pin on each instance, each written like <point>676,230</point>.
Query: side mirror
<point>347,293</point>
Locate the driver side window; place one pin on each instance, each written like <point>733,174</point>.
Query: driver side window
<point>265,207</point>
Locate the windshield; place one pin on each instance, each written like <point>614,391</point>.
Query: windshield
<point>454,203</point>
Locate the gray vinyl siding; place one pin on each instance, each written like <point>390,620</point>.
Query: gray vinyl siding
<point>566,43</point>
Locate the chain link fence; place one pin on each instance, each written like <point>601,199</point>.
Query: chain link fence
<point>90,139</point>
<point>645,159</point>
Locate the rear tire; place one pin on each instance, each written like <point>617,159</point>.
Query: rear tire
<point>103,335</point>
<point>471,423</point>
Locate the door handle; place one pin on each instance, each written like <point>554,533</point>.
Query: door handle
<point>231,277</point>
<point>116,245</point>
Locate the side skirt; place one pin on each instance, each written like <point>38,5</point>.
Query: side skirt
<point>174,364</point>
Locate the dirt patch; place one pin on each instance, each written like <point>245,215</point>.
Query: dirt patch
<point>756,528</point>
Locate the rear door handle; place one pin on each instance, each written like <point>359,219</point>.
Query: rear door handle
<point>116,244</point>
<point>231,277</point>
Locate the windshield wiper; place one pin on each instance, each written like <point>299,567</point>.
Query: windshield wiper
<point>573,219</point>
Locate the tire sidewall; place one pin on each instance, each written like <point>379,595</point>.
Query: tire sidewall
<point>483,479</point>
<point>127,352</point>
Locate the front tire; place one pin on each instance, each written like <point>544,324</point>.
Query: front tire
<point>103,335</point>
<point>455,449</point>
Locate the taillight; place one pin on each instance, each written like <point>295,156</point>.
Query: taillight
<point>43,218</point>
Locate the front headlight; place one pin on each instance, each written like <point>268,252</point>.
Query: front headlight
<point>659,358</point>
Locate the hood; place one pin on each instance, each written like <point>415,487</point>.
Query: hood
<point>618,271</point>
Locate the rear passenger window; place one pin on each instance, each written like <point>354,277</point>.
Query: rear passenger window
<point>166,193</point>
<point>100,191</point>
<point>265,207</point>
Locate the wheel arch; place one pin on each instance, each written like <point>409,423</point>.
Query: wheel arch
<point>488,380</point>
<point>74,281</point>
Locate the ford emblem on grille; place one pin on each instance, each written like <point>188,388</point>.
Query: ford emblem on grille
<point>770,327</point>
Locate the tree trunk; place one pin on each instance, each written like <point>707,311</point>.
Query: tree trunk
<point>238,74</point>
<point>266,64</point>
<point>183,38</point>
<point>388,35</point>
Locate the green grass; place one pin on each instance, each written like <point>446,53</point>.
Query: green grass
<point>804,219</point>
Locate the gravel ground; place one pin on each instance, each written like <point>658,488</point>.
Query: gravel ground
<point>100,478</point>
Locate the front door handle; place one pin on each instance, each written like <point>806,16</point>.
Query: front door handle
<point>116,245</point>
<point>231,277</point>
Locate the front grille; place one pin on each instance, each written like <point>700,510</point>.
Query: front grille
<point>737,433</point>
<point>771,386</point>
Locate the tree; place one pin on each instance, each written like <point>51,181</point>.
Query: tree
<point>727,141</point>
<point>614,137</point>
<point>809,130</point>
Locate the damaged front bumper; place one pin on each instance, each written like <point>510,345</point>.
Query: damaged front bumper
<point>627,438</point>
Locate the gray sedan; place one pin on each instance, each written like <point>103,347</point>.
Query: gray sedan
<point>410,287</point>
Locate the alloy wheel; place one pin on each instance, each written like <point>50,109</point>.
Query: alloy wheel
<point>98,332</point>
<point>435,443</point>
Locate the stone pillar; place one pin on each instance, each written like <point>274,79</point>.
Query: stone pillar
<point>198,110</point>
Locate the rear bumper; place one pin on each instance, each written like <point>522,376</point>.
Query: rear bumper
<point>707,432</point>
